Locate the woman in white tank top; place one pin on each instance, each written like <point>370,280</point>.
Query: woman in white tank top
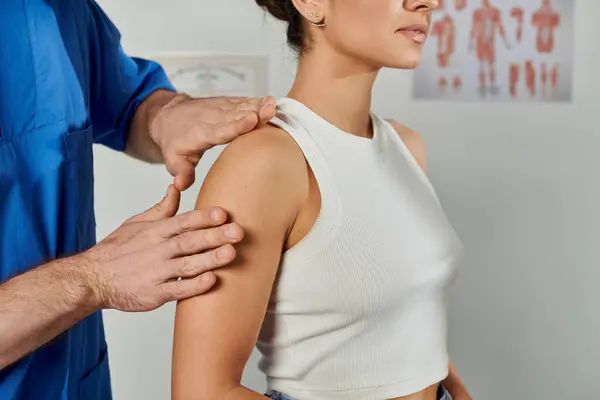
<point>342,278</point>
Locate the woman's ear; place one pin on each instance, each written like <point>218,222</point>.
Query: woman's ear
<point>311,10</point>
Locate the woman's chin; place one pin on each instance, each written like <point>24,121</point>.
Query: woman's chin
<point>406,62</point>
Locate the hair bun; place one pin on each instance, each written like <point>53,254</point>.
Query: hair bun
<point>279,9</point>
<point>284,10</point>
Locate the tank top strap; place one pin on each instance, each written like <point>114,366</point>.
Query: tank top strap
<point>391,135</point>
<point>316,160</point>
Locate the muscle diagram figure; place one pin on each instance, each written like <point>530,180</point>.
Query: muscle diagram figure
<point>460,4</point>
<point>514,77</point>
<point>544,78</point>
<point>554,80</point>
<point>549,79</point>
<point>517,13</point>
<point>530,77</point>
<point>546,20</point>
<point>457,84</point>
<point>442,83</point>
<point>487,23</point>
<point>445,31</point>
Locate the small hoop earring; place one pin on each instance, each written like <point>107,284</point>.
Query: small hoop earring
<point>317,24</point>
<point>312,14</point>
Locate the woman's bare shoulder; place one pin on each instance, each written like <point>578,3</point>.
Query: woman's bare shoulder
<point>412,140</point>
<point>269,139</point>
<point>264,162</point>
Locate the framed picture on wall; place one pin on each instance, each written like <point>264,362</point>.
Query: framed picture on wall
<point>208,75</point>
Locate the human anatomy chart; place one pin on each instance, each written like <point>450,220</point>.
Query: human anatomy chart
<point>207,75</point>
<point>498,50</point>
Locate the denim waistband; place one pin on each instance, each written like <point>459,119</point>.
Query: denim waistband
<point>443,394</point>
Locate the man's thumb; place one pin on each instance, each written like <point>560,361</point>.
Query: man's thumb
<point>167,207</point>
<point>183,169</point>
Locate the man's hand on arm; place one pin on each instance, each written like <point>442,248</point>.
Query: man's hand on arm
<point>177,129</point>
<point>136,268</point>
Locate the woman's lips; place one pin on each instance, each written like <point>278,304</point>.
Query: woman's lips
<point>417,33</point>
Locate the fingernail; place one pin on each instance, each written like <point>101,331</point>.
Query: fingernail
<point>222,253</point>
<point>215,215</point>
<point>231,232</point>
<point>206,277</point>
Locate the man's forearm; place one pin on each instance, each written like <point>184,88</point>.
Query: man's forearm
<point>139,142</point>
<point>40,304</point>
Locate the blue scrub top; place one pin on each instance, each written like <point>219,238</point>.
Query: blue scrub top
<point>65,84</point>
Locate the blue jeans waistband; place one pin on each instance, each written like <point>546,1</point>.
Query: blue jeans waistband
<point>443,394</point>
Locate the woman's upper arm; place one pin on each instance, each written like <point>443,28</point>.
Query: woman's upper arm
<point>261,181</point>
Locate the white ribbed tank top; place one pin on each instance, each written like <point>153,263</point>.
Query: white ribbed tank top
<point>358,311</point>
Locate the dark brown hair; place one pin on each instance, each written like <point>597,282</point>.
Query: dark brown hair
<point>284,10</point>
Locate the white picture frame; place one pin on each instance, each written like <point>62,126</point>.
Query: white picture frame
<point>210,75</point>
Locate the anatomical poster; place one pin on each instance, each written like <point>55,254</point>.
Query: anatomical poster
<point>498,50</point>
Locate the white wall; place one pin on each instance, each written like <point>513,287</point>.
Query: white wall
<point>519,182</point>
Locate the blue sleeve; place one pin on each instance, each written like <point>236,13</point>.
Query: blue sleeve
<point>119,83</point>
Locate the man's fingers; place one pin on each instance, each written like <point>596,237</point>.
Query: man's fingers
<point>269,100</point>
<point>237,99</point>
<point>245,100</point>
<point>183,169</point>
<point>192,266</point>
<point>251,104</point>
<point>193,220</point>
<point>227,132</point>
<point>248,106</point>
<point>236,115</point>
<point>185,179</point>
<point>234,103</point>
<point>266,113</point>
<point>185,288</point>
<point>256,104</point>
<point>195,242</point>
<point>231,103</point>
<point>167,207</point>
<point>246,117</point>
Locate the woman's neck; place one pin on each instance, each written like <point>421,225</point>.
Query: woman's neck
<point>338,90</point>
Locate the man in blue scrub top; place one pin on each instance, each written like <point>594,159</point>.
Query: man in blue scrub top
<point>65,84</point>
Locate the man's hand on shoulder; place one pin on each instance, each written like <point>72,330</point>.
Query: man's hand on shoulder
<point>184,128</point>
